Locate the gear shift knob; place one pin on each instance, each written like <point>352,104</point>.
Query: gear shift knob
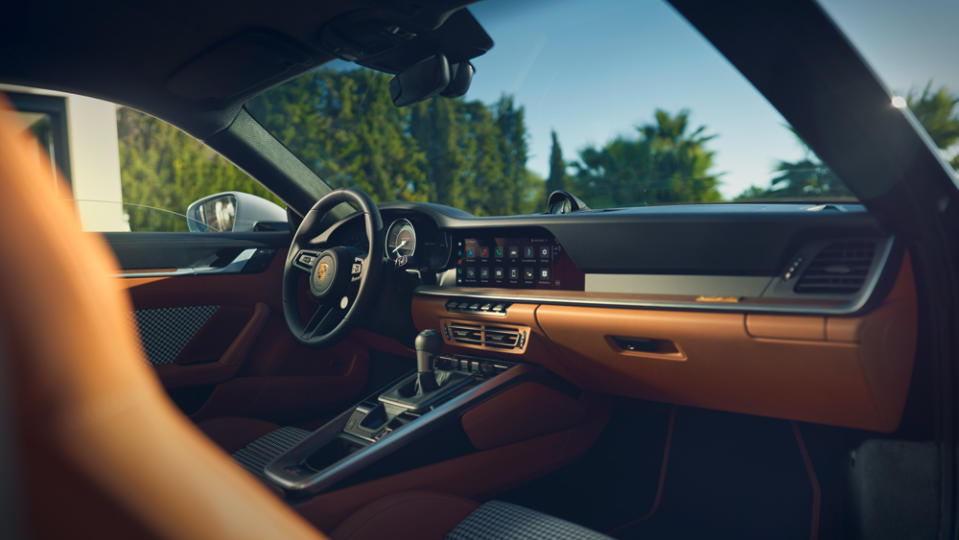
<point>428,344</point>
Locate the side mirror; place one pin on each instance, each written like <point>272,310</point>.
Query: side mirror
<point>234,211</point>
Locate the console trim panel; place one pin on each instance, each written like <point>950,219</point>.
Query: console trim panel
<point>364,457</point>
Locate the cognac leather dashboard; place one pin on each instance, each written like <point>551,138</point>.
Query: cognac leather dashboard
<point>844,370</point>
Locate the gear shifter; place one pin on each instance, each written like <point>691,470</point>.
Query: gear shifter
<point>428,344</point>
<point>418,391</point>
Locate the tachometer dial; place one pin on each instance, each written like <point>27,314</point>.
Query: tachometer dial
<point>400,239</point>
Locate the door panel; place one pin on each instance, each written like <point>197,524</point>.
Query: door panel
<point>221,334</point>
<point>139,251</point>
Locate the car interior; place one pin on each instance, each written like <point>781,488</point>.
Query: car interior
<point>352,368</point>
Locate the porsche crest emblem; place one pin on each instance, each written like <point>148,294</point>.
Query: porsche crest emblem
<point>321,270</point>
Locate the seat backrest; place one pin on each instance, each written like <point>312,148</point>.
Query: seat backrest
<point>102,451</point>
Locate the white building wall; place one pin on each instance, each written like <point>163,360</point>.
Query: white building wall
<point>95,163</point>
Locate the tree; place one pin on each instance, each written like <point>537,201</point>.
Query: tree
<point>557,179</point>
<point>452,151</point>
<point>664,163</point>
<point>936,112</point>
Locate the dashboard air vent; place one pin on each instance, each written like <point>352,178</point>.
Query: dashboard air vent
<point>502,338</point>
<point>465,333</point>
<point>839,268</point>
<point>495,337</point>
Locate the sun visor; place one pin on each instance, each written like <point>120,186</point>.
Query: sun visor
<point>239,66</point>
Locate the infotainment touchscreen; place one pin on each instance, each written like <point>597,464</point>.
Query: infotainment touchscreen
<point>528,262</point>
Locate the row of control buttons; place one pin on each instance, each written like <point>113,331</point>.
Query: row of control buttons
<point>792,268</point>
<point>472,365</point>
<point>470,306</point>
<point>500,273</point>
<point>512,252</point>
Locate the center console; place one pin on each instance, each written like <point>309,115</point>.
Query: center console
<point>393,417</point>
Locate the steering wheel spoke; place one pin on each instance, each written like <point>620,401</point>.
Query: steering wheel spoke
<point>320,321</point>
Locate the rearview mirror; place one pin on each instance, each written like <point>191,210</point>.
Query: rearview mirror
<point>421,81</point>
<point>234,211</point>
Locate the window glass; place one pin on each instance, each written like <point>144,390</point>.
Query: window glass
<point>128,171</point>
<point>620,103</point>
<point>163,170</point>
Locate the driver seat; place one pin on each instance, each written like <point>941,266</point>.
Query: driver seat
<point>98,449</point>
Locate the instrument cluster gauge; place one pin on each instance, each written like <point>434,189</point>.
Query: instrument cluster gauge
<point>400,239</point>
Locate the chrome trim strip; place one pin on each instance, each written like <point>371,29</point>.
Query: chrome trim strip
<point>234,267</point>
<point>854,305</point>
<point>677,284</point>
<point>393,442</point>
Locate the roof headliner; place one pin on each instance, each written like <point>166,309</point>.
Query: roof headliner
<point>126,52</point>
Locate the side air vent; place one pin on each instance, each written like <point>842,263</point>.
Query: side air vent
<point>839,268</point>
<point>481,335</point>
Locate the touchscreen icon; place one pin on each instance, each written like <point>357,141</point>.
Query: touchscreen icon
<point>514,252</point>
<point>498,252</point>
<point>544,252</point>
<point>529,252</point>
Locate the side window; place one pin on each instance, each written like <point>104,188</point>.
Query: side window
<point>164,171</point>
<point>128,171</point>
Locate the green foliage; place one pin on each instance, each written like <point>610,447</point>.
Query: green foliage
<point>451,151</point>
<point>163,170</point>
<point>664,163</point>
<point>936,112</point>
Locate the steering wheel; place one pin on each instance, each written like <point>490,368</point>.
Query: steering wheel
<point>341,279</point>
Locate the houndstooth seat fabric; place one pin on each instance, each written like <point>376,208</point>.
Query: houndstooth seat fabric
<point>497,520</point>
<point>256,455</point>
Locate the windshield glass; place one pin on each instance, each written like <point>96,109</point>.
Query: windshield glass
<point>620,103</point>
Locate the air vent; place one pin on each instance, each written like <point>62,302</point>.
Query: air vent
<point>502,338</point>
<point>495,337</point>
<point>465,333</point>
<point>839,268</point>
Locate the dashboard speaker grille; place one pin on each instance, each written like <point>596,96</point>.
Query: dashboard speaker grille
<point>839,268</point>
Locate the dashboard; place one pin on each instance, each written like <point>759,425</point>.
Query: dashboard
<point>764,258</point>
<point>798,311</point>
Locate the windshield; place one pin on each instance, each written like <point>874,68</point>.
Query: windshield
<point>620,103</point>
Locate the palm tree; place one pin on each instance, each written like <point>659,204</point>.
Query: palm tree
<point>664,163</point>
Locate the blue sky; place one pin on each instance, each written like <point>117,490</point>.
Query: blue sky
<point>594,69</point>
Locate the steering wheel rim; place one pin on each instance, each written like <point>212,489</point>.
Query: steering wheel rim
<point>341,280</point>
